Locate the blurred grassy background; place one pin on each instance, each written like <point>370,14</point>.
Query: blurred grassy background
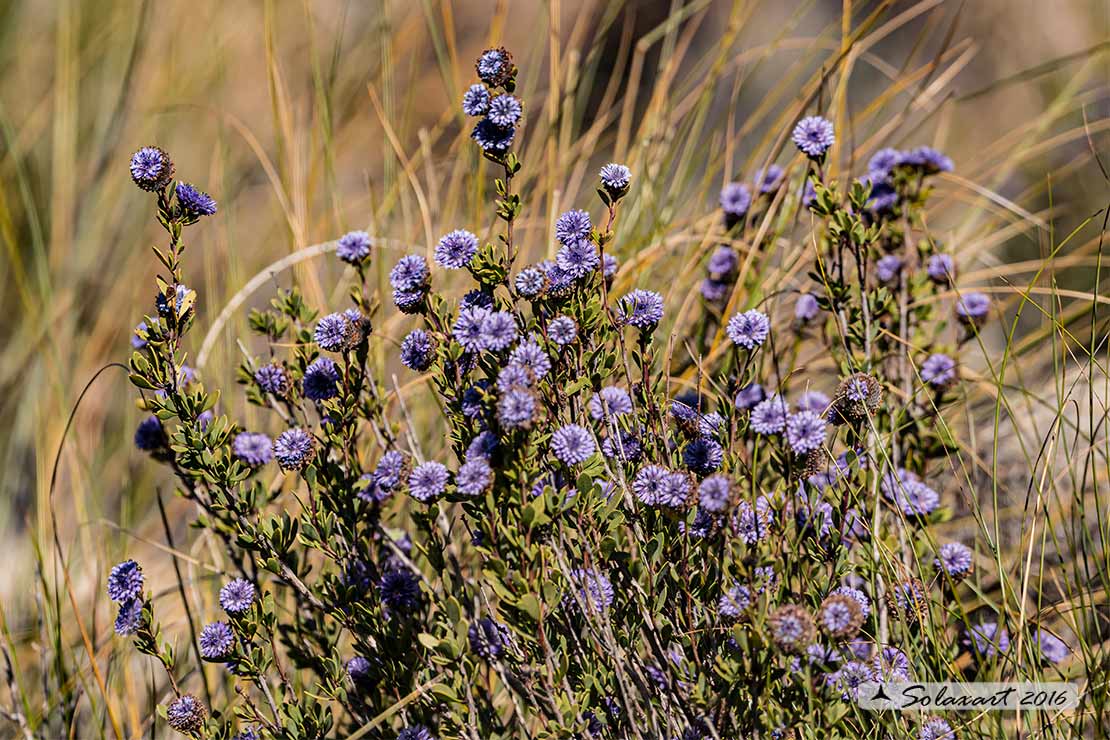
<point>306,119</point>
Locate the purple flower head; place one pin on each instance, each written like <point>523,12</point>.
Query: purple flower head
<point>416,732</point>
<point>129,618</point>
<point>252,448</point>
<point>456,249</point>
<point>236,596</point>
<point>642,309</point>
<point>358,669</point>
<point>151,168</point>
<point>530,282</point>
<point>650,484</point>
<point>769,180</point>
<point>125,581</point>
<point>749,329</point>
<point>615,177</point>
<point>1053,649</point>
<point>216,641</point>
<point>913,497</point>
<point>941,269</point>
<point>150,435</point>
<point>475,100</point>
<point>494,67</point>
<point>273,379</point>
<point>840,616</point>
<point>890,664</point>
<point>848,679</point>
<point>418,350</point>
<point>334,333</point>
<point>888,268</point>
<point>928,160</point>
<point>578,258</point>
<point>882,163</point>
<point>474,477</point>
<point>808,195</point>
<point>954,560</point>
<point>883,197</point>
<point>427,481</point>
<point>939,371</point>
<point>573,444</point>
<point>675,491</point>
<point>410,273</point>
<point>138,337</point>
<point>814,401</point>
<point>505,111</point>
<point>572,227</point>
<point>591,588</point>
<point>321,380</point>
<point>488,638</point>
<point>814,136</point>
<point>516,408</point>
<point>194,203</point>
<point>805,432</point>
<point>909,599</point>
<point>769,416</point>
<point>186,714</point>
<point>703,456</point>
<point>293,448</point>
<point>498,330</point>
<point>752,523</point>
<point>806,308</point>
<point>859,596</point>
<point>734,602</point>
<point>972,307</point>
<point>409,301</point>
<point>559,281</point>
<point>353,247</point>
<point>562,330</point>
<point>714,291</point>
<point>515,376</point>
<point>623,445</point>
<point>609,265</point>
<point>715,493</point>
<point>399,590</point>
<point>988,640</point>
<point>467,329</point>
<point>792,628</point>
<point>936,728</point>
<point>749,396</point>
<point>610,401</point>
<point>736,198</point>
<point>491,137</point>
<point>530,355</point>
<point>723,262</point>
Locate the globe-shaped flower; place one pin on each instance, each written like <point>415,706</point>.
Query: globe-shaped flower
<point>399,590</point>
<point>814,401</point>
<point>769,180</point>
<point>428,481</point>
<point>749,329</point>
<point>530,282</point>
<point>416,732</point>
<point>840,616</point>
<point>650,484</point>
<point>936,728</point>
<point>353,247</point>
<point>848,679</point>
<point>908,599</point>
<point>334,333</point>
<point>129,618</point>
<point>216,641</point>
<point>516,408</point>
<point>467,329</point>
<point>358,669</point>
<point>675,491</point>
<point>194,203</point>
<point>703,456</point>
<point>293,448</point>
<point>734,602</point>
<point>573,444</point>
<point>186,714</point>
<point>941,268</point>
<point>492,138</point>
<point>954,560</point>
<point>474,477</point>
<point>928,160</point>
<point>410,273</point>
<point>418,350</point>
<point>498,330</point>
<point>913,497</point>
<point>150,435</point>
<point>615,177</point>
<point>642,309</point>
<point>624,446</point>
<point>752,524</point>
<point>591,588</point>
<point>972,308</point>
<point>125,581</point>
<point>735,199</point>
<point>151,168</point>
<point>715,493</point>
<point>859,596</point>
<point>494,67</point>
<point>456,249</point>
<point>273,379</point>
<point>1053,649</point>
<point>939,371</point>
<point>475,100</point>
<point>609,402</point>
<point>578,258</point>
<point>321,380</point>
<point>562,330</point>
<point>805,432</point>
<point>814,136</point>
<point>792,628</point>
<point>769,416</point>
<point>858,397</point>
<point>505,110</point>
<point>390,469</point>
<point>572,227</point>
<point>749,396</point>
<point>888,267</point>
<point>237,595</point>
<point>806,308</point>
<point>252,448</point>
<point>530,355</point>
<point>988,640</point>
<point>488,638</point>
